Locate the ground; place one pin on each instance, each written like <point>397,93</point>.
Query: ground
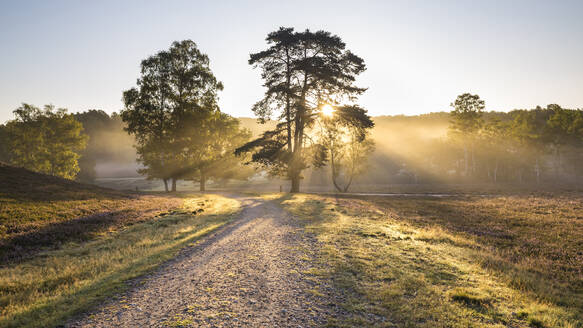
<point>252,273</point>
<point>65,247</point>
<point>304,260</point>
<point>459,261</point>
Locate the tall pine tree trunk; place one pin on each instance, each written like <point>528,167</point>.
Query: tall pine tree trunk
<point>165,184</point>
<point>295,183</point>
<point>296,161</point>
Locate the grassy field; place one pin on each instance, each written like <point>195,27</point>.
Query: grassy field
<point>40,212</point>
<point>511,261</point>
<point>64,247</point>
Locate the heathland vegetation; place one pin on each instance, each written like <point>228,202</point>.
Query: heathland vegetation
<point>501,261</point>
<point>65,246</point>
<point>487,232</point>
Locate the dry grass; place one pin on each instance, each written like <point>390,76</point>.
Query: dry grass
<point>40,212</point>
<point>52,286</point>
<point>66,246</point>
<point>489,262</point>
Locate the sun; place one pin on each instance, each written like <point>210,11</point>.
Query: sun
<point>327,110</point>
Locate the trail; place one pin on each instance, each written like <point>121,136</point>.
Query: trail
<point>251,273</point>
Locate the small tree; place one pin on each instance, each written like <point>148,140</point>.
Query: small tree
<point>466,123</point>
<point>345,144</point>
<point>47,141</point>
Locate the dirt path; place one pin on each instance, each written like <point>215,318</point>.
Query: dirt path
<point>249,274</point>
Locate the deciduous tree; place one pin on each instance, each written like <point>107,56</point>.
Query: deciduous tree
<point>345,144</point>
<point>173,84</point>
<point>209,143</point>
<point>47,141</point>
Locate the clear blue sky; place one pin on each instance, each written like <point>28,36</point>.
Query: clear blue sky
<point>420,54</point>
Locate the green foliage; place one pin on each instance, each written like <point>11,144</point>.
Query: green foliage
<point>208,141</point>
<point>467,114</point>
<point>520,144</point>
<point>47,141</point>
<point>176,86</point>
<point>564,126</point>
<point>302,71</point>
<point>345,144</point>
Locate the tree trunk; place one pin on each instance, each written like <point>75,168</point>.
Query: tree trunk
<point>202,182</point>
<point>295,183</point>
<point>349,181</point>
<point>296,165</point>
<point>336,185</point>
<point>173,184</point>
<point>165,184</point>
<point>333,167</point>
<point>288,102</point>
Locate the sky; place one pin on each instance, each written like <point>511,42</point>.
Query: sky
<point>420,55</point>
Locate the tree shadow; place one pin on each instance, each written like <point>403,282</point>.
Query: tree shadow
<point>353,265</point>
<point>502,242</point>
<point>69,307</point>
<point>19,247</point>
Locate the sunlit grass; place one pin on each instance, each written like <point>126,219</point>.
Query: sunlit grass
<point>51,287</point>
<point>398,272</point>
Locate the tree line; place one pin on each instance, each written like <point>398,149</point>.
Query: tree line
<point>513,147</point>
<point>310,92</point>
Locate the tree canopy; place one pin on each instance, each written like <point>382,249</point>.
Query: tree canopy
<point>175,117</point>
<point>302,72</point>
<point>345,144</point>
<point>46,140</point>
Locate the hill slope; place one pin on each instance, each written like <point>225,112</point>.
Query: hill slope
<point>39,211</point>
<point>20,183</point>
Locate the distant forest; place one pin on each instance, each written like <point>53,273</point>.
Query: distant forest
<point>541,145</point>
<point>518,147</point>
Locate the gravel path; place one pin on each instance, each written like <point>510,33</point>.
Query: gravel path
<point>251,273</point>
